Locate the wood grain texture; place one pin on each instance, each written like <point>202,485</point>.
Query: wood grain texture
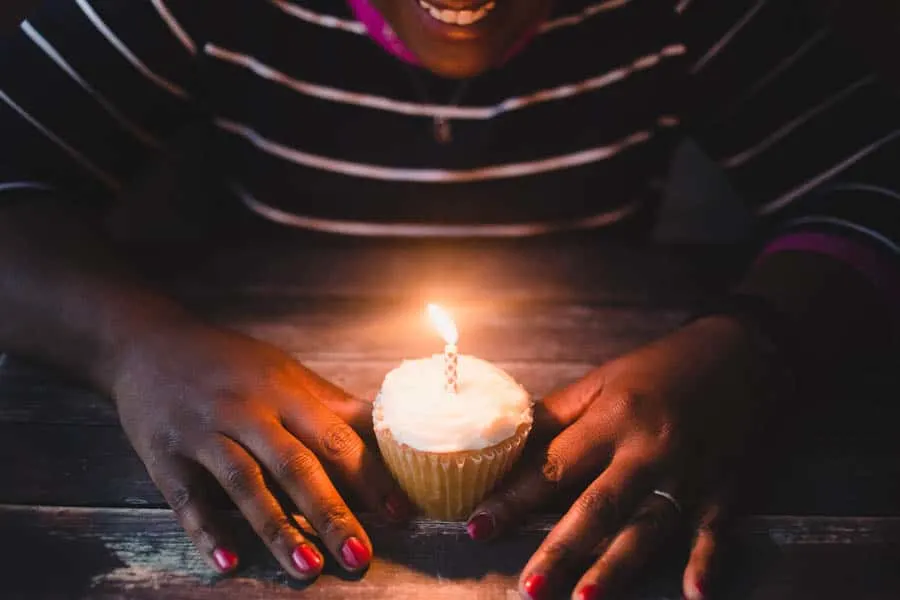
<point>351,312</point>
<point>95,466</point>
<point>31,394</point>
<point>495,331</point>
<point>142,553</point>
<point>577,268</point>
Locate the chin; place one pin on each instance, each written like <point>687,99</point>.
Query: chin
<point>456,67</point>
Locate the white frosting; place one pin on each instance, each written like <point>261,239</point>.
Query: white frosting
<point>414,406</point>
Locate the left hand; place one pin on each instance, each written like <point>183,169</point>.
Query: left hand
<point>673,416</point>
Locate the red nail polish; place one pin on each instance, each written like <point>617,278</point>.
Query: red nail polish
<point>534,586</point>
<point>355,554</point>
<point>226,560</point>
<point>307,560</point>
<point>698,588</point>
<point>397,507</point>
<point>481,526</point>
<point>589,592</point>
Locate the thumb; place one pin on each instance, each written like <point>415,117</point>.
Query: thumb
<point>355,412</point>
<point>563,407</point>
<point>352,410</point>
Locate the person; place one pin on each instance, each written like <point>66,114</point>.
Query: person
<point>450,118</point>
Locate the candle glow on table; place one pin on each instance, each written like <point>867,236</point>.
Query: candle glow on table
<point>443,323</point>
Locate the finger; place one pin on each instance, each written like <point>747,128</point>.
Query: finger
<point>177,480</point>
<point>706,551</point>
<point>566,405</point>
<point>594,516</point>
<point>344,452</point>
<point>355,412</point>
<point>301,475</point>
<point>241,477</point>
<point>579,451</point>
<point>647,530</point>
<point>322,389</point>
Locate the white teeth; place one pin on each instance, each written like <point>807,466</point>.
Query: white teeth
<point>465,17</point>
<point>457,17</point>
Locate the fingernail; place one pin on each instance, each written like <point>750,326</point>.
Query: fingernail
<point>397,507</point>
<point>534,586</point>
<point>226,560</point>
<point>481,526</point>
<point>307,560</point>
<point>589,592</point>
<point>355,554</point>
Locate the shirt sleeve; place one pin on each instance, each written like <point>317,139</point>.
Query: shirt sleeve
<point>90,89</point>
<point>808,132</point>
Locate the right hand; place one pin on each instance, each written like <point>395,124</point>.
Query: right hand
<point>195,398</point>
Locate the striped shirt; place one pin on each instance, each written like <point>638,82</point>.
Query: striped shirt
<point>315,125</point>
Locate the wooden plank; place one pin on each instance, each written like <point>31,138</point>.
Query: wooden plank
<point>572,268</point>
<point>31,394</point>
<point>393,329</point>
<point>496,331</point>
<point>95,466</point>
<point>140,553</point>
<point>60,444</point>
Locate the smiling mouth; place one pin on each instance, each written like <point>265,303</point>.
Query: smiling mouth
<point>461,18</point>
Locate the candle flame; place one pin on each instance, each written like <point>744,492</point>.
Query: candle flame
<point>444,324</point>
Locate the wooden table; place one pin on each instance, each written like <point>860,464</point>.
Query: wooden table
<point>80,518</point>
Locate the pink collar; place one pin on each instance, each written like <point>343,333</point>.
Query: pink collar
<point>379,30</point>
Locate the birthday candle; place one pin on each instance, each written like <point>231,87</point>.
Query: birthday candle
<point>445,326</point>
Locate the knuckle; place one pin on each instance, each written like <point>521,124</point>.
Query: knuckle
<point>339,441</point>
<point>201,536</point>
<point>653,519</point>
<point>229,408</point>
<point>242,479</point>
<point>706,530</point>
<point>554,467</point>
<point>278,370</point>
<point>559,551</point>
<point>334,519</point>
<point>600,505</point>
<point>180,499</point>
<point>276,529</point>
<point>165,441</point>
<point>199,532</point>
<point>605,564</point>
<point>512,499</point>
<point>628,403</point>
<point>712,519</point>
<point>296,464</point>
<point>664,439</point>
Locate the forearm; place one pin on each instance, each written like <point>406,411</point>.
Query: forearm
<point>65,299</point>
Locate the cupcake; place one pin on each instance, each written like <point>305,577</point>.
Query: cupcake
<point>449,450</point>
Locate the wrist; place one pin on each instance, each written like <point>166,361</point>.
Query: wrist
<point>135,342</point>
<point>745,338</point>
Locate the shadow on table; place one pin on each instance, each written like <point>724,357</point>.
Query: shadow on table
<point>40,563</point>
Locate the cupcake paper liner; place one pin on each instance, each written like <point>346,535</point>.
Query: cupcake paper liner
<point>448,485</point>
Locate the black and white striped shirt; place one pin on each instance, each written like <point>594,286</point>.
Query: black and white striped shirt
<point>316,126</point>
